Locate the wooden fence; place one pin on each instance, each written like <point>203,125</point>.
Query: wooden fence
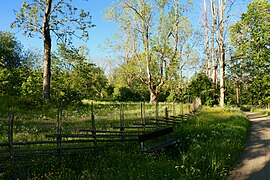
<point>87,139</point>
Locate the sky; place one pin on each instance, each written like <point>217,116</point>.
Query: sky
<point>99,33</point>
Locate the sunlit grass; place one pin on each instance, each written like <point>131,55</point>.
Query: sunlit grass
<point>209,144</point>
<point>261,111</point>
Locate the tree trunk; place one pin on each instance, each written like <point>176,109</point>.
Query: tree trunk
<point>212,39</point>
<point>153,97</point>
<point>222,79</point>
<point>47,51</point>
<point>221,53</point>
<point>238,93</point>
<point>208,73</point>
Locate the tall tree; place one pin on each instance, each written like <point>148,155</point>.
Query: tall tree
<point>156,25</point>
<point>250,37</point>
<point>212,40</point>
<point>221,50</point>
<point>220,13</point>
<point>52,16</point>
<point>206,50</point>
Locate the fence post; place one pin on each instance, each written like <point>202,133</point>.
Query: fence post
<point>122,122</point>
<point>182,108</point>
<point>142,117</point>
<point>59,129</point>
<point>194,107</point>
<point>93,125</point>
<point>173,109</point>
<point>144,113</point>
<point>10,138</point>
<point>166,114</point>
<point>141,113</point>
<point>157,115</point>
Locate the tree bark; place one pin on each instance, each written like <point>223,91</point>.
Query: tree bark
<point>237,93</point>
<point>222,78</point>
<point>206,50</point>
<point>47,51</point>
<point>153,97</point>
<point>212,39</point>
<point>221,53</point>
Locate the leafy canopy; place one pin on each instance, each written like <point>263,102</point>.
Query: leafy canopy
<point>65,20</point>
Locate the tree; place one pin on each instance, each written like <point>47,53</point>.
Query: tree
<point>250,37</point>
<point>206,50</point>
<point>221,50</point>
<point>11,55</point>
<point>52,16</point>
<point>220,14</point>
<point>75,76</point>
<point>12,59</point>
<point>153,30</point>
<point>201,86</point>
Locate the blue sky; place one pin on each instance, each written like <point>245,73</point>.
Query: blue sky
<point>98,34</point>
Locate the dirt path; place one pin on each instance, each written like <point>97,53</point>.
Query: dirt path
<point>255,162</point>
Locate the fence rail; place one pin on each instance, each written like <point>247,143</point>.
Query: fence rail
<point>86,138</point>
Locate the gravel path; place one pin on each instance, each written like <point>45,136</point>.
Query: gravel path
<point>255,162</point>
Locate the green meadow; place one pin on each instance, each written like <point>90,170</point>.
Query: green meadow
<point>208,144</point>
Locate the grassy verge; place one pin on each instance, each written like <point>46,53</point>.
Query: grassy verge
<point>261,111</point>
<point>209,145</point>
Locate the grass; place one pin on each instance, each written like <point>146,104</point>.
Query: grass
<point>32,124</point>
<point>261,111</point>
<point>210,143</point>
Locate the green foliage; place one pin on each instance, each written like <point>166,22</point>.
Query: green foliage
<point>250,63</point>
<point>125,94</point>
<point>12,69</point>
<point>75,77</point>
<point>171,97</point>
<point>152,35</point>
<point>127,83</point>
<point>11,55</point>
<point>64,20</point>
<point>201,86</point>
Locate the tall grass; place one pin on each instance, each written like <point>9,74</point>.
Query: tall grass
<point>209,145</point>
<point>32,124</point>
<point>261,111</point>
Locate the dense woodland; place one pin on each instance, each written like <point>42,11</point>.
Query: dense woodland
<point>162,56</point>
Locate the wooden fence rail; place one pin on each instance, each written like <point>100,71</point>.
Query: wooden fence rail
<point>86,138</point>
